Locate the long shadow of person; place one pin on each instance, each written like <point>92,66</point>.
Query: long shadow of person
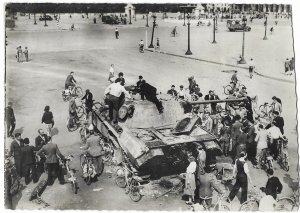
<point>17,197</point>
<point>54,131</point>
<point>294,185</point>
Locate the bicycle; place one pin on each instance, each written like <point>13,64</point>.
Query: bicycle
<point>231,87</point>
<point>88,167</point>
<point>267,162</point>
<point>253,203</point>
<point>218,205</point>
<point>128,179</point>
<point>76,91</point>
<point>266,110</point>
<point>283,156</point>
<point>71,173</point>
<point>82,108</point>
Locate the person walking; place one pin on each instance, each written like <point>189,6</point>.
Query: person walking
<point>117,33</point>
<point>113,93</point>
<point>26,54</point>
<point>111,73</point>
<point>251,67</point>
<point>10,119</point>
<point>157,47</point>
<point>242,177</point>
<point>19,54</point>
<point>287,65</point>
<point>28,161</point>
<point>15,152</point>
<point>48,120</point>
<point>51,151</point>
<point>88,99</point>
<point>277,105</point>
<point>292,64</point>
<point>262,145</point>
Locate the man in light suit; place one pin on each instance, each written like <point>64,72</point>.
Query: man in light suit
<point>51,151</point>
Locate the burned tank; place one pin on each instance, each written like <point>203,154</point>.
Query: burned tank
<point>157,144</point>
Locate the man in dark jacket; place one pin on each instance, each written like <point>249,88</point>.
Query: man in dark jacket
<point>70,81</point>
<point>28,160</point>
<point>88,98</point>
<point>279,121</point>
<point>10,119</point>
<point>15,151</point>
<point>172,91</point>
<point>40,141</point>
<point>274,185</point>
<point>149,92</point>
<point>211,96</point>
<point>51,151</point>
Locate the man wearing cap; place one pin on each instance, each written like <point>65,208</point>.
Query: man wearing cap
<point>15,151</point>
<point>279,122</point>
<point>139,82</point>
<point>70,81</point>
<point>10,119</point>
<point>113,93</point>
<point>94,149</point>
<point>172,91</point>
<point>211,96</point>
<point>28,160</point>
<point>51,151</point>
<point>181,93</point>
<point>274,134</point>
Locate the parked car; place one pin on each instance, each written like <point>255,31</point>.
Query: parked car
<point>236,25</point>
<point>47,17</point>
<point>110,20</point>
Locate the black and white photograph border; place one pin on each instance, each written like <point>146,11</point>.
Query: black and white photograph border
<point>150,106</point>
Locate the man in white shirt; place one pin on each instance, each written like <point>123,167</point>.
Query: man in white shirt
<point>113,93</point>
<point>274,134</point>
<point>181,93</point>
<point>262,145</point>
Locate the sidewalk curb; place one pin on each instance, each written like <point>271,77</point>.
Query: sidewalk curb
<point>219,63</point>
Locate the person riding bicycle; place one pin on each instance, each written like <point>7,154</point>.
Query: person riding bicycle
<point>141,46</point>
<point>94,149</point>
<point>72,27</point>
<point>88,99</point>
<point>70,81</point>
<point>73,112</point>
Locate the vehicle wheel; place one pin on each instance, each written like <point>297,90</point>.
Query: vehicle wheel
<point>250,205</point>
<point>80,111</point>
<point>121,182</point>
<point>78,92</point>
<point>97,105</point>
<point>75,187</point>
<point>285,204</point>
<point>134,194</point>
<point>227,89</point>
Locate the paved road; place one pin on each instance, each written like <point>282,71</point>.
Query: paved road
<point>89,52</point>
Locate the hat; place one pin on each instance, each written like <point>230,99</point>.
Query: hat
<point>121,74</point>
<point>91,127</point>
<point>244,87</point>
<point>26,141</point>
<point>274,98</point>
<point>276,112</point>
<point>173,86</point>
<point>140,77</point>
<point>181,86</point>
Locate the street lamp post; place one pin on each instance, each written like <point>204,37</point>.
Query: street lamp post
<point>214,40</point>
<point>266,23</point>
<point>45,25</point>
<point>147,25</point>
<point>154,18</point>
<point>242,60</point>
<point>184,17</point>
<point>188,52</point>
<point>130,15</point>
<point>34,18</point>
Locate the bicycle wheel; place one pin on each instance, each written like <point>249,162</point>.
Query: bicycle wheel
<point>134,192</point>
<point>224,208</point>
<point>121,181</point>
<point>71,128</point>
<point>78,92</point>
<point>227,90</point>
<point>96,106</point>
<point>108,153</point>
<point>285,204</point>
<point>250,205</point>
<point>74,187</point>
<point>80,111</point>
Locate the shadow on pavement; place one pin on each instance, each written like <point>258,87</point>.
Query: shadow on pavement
<point>54,131</point>
<point>294,185</point>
